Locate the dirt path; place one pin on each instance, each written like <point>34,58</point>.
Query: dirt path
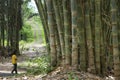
<point>6,67</point>
<point>58,74</point>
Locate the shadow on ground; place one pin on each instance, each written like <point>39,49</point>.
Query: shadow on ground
<point>2,74</point>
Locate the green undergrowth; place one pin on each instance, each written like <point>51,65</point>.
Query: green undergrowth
<point>72,76</point>
<point>38,65</point>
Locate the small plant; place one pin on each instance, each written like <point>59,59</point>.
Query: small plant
<point>72,76</point>
<point>39,65</point>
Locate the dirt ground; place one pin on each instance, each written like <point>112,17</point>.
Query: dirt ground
<point>6,65</point>
<point>58,74</point>
<point>70,74</point>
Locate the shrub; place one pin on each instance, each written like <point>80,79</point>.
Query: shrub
<point>27,33</point>
<point>39,65</point>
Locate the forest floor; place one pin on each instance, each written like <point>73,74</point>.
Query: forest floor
<point>61,73</point>
<point>58,74</point>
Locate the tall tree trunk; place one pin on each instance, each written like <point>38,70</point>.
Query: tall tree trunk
<point>67,30</point>
<point>115,40</point>
<point>58,47</point>
<point>103,43</point>
<point>3,22</point>
<point>91,64</point>
<point>106,30</point>
<point>81,34</point>
<point>59,27</point>
<point>74,33</point>
<point>97,35</point>
<point>51,25</point>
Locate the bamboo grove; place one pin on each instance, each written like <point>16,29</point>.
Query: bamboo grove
<point>84,34</point>
<point>10,24</point>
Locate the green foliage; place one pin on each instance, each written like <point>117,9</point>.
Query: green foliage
<point>26,11</point>
<point>43,64</point>
<point>37,19</point>
<point>22,44</point>
<point>39,34</point>
<point>39,65</point>
<point>27,33</point>
<point>29,19</point>
<point>72,76</point>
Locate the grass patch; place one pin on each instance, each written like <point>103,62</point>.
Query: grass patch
<point>38,65</point>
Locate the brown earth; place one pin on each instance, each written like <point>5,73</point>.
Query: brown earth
<point>58,74</point>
